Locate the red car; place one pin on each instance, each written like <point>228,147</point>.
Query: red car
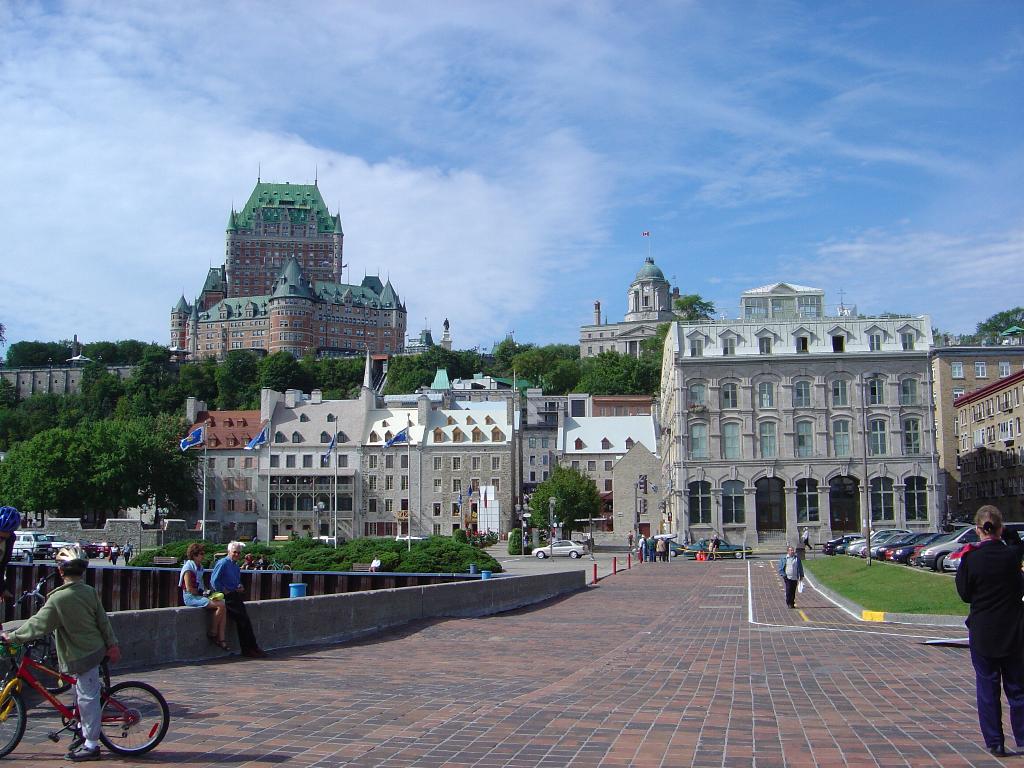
<point>95,549</point>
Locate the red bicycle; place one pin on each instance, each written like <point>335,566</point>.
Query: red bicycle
<point>135,717</point>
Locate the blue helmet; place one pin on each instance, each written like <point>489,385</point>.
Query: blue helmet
<point>9,519</point>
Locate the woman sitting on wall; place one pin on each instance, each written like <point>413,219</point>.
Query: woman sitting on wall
<point>196,595</point>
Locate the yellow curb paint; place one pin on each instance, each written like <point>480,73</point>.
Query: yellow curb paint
<point>873,615</point>
<point>803,616</point>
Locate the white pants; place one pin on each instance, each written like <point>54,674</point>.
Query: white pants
<point>87,692</point>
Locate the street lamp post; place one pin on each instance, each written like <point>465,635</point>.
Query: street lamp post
<point>552,501</point>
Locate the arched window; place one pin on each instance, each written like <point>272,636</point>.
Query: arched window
<point>876,392</point>
<point>841,437</point>
<point>733,512</point>
<point>698,441</point>
<point>296,437</point>
<point>881,499</point>
<point>303,417</point>
<point>911,435</point>
<point>916,497</point>
<point>700,503</point>
<point>801,394</point>
<point>697,394</point>
<point>908,392</point>
<point>279,437</point>
<point>730,396</point>
<point>731,446</point>
<point>840,392</point>
<point>325,437</point>
<point>766,394</point>
<point>767,439</point>
<point>804,439</point>
<point>807,501</point>
<point>876,437</point>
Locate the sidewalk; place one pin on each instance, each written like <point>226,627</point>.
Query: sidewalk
<point>660,665</point>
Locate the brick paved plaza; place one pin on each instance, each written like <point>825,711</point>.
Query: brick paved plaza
<point>656,666</point>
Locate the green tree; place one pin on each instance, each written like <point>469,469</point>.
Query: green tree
<point>563,378</point>
<point>8,394</point>
<point>281,371</point>
<point>238,381</point>
<point>990,330</point>
<point>692,308</point>
<point>576,500</point>
<point>152,388</point>
<point>503,354</point>
<point>38,354</point>
<point>610,373</point>
<point>198,380</point>
<point>338,378</point>
<point>100,392</point>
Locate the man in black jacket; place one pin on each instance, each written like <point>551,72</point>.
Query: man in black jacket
<point>989,578</point>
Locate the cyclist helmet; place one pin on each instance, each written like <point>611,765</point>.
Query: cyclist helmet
<point>9,519</point>
<point>72,559</point>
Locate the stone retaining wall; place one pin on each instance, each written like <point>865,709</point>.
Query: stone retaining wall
<point>167,635</point>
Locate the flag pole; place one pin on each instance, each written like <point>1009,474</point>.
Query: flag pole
<point>408,460</point>
<point>270,452</point>
<point>205,462</point>
<point>335,494</point>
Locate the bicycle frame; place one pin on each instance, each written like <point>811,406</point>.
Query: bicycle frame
<point>23,674</point>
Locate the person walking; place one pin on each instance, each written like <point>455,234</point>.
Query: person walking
<point>805,537</point>
<point>792,571</point>
<point>660,549</point>
<point>642,547</point>
<point>989,578</point>
<point>115,550</point>
<point>227,578</point>
<point>10,519</point>
<point>629,541</point>
<point>128,551</point>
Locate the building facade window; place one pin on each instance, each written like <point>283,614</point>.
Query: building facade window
<point>841,437</point>
<point>876,437</point>
<point>911,435</point>
<point>875,342</point>
<point>696,348</point>
<point>807,501</point>
<point>908,392</point>
<point>802,394</point>
<point>764,345</point>
<point>700,503</point>
<point>882,507</point>
<point>767,439</point>
<point>730,396</point>
<point>916,497</point>
<point>766,394</point>
<point>733,511</point>
<point>876,392</point>
<point>697,395</point>
<point>840,392</point>
<point>698,441</point>
<point>728,346</point>
<point>907,341</point>
<point>804,439</point>
<point>731,440</point>
<point>1004,368</point>
<point>956,370</point>
<point>981,369</point>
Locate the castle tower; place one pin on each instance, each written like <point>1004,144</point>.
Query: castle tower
<point>179,323</point>
<point>291,307</point>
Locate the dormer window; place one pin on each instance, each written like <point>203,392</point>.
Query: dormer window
<point>579,444</point>
<point>330,417</point>
<point>457,435</point>
<point>497,436</point>
<point>838,343</point>
<point>439,435</point>
<point>324,437</point>
<point>303,417</point>
<point>296,437</point>
<point>629,443</point>
<point>279,437</point>
<point>606,444</point>
<point>374,437</point>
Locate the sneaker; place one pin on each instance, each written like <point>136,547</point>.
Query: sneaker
<point>77,740</point>
<point>82,754</point>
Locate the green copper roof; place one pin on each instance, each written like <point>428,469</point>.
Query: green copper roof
<point>215,281</point>
<point>291,282</point>
<point>360,295</point>
<point>299,203</point>
<point>649,271</point>
<point>182,306</point>
<point>236,307</point>
<point>441,380</point>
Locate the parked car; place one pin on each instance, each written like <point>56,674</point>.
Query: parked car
<point>38,544</point>
<point>838,546</point>
<point>901,553</point>
<point>725,549</point>
<point>94,549</point>
<point>858,549</point>
<point>933,554</point>
<point>952,561</point>
<point>881,550</point>
<point>560,548</point>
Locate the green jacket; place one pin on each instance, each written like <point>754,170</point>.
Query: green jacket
<point>74,611</point>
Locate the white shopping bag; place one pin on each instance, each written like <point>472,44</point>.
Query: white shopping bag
<point>800,586</point>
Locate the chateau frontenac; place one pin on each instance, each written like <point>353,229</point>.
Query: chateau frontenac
<point>280,287</point>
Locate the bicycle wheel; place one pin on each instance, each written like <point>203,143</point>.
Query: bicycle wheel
<point>12,722</point>
<point>135,718</point>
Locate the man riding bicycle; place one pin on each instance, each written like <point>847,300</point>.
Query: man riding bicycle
<point>84,636</point>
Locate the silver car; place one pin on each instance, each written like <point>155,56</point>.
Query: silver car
<point>859,549</point>
<point>935,553</point>
<point>560,548</point>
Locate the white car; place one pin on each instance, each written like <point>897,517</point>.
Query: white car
<point>561,548</point>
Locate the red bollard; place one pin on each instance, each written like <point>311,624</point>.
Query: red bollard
<point>595,574</point>
<point>615,565</point>
<point>629,561</point>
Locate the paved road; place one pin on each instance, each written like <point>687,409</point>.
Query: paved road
<point>662,665</point>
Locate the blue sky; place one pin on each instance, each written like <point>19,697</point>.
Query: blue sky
<point>498,161</point>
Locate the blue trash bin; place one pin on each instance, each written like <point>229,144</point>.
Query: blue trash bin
<point>485,574</point>
<point>472,569</point>
<point>297,589</point>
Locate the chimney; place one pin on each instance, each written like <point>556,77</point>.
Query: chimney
<point>291,397</point>
<point>423,411</point>
<point>192,408</point>
<point>316,397</point>
<point>597,313</point>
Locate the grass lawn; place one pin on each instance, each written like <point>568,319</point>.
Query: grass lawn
<point>888,587</point>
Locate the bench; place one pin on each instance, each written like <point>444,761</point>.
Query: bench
<point>165,561</point>
<point>282,538</point>
<point>361,567</point>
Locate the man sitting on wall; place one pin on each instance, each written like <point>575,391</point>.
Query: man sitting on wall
<point>227,578</point>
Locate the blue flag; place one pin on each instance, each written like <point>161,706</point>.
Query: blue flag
<point>196,437</point>
<point>401,437</point>
<point>259,440</point>
<point>330,447</point>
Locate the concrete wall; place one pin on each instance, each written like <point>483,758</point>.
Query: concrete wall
<point>165,635</point>
<point>122,530</point>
